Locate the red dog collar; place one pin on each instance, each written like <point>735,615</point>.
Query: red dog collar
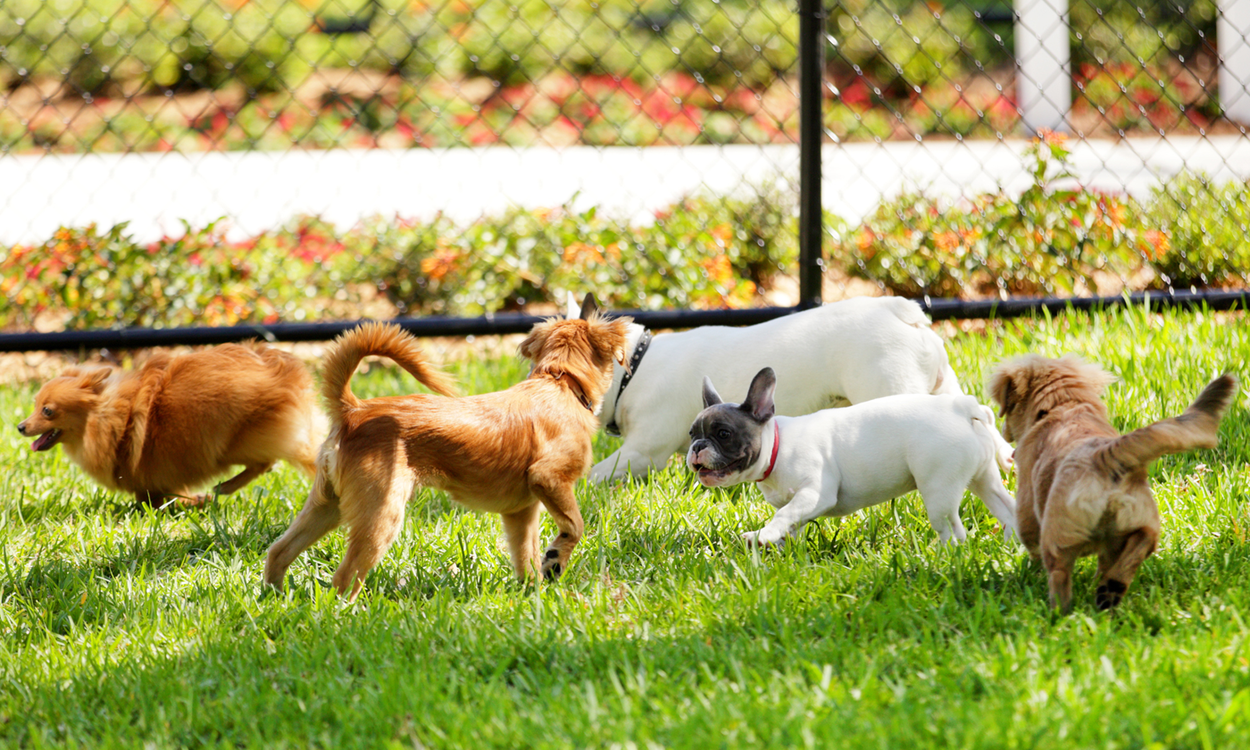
<point>776,444</point>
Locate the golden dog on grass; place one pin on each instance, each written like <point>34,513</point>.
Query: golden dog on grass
<point>1082,488</point>
<point>505,452</point>
<point>179,421</point>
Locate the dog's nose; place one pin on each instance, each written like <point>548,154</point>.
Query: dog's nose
<point>21,427</point>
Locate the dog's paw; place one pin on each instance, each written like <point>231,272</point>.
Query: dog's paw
<point>195,501</point>
<point>1006,460</point>
<point>1109,594</point>
<point>551,568</point>
<point>761,539</point>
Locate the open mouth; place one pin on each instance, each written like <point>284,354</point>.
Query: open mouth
<point>46,440</point>
<point>708,474</point>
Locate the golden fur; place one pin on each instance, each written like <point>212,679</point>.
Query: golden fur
<point>177,422</point>
<point>505,452</point>
<point>1082,488</point>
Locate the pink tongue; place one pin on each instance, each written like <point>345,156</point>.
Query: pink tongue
<point>44,441</point>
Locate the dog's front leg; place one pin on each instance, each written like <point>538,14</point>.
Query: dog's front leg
<point>561,503</point>
<point>789,518</point>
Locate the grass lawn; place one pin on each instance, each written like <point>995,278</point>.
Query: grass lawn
<point>121,627</point>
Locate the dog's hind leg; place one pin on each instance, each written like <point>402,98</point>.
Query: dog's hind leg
<point>521,527</point>
<point>318,517</point>
<point>374,528</point>
<point>988,486</point>
<point>1059,562</point>
<point>941,503</point>
<point>1113,584</point>
<point>561,504</point>
<point>240,480</point>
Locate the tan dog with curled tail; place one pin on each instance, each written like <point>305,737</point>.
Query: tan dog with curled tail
<point>1082,488</point>
<point>508,452</point>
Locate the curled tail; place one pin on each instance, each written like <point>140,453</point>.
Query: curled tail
<point>380,339</point>
<point>1195,428</point>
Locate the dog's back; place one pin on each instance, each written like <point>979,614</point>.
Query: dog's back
<point>199,414</point>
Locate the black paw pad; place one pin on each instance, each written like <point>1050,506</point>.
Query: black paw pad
<point>1109,594</point>
<point>553,553</point>
<point>553,572</point>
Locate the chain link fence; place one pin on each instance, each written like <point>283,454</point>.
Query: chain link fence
<point>285,160</point>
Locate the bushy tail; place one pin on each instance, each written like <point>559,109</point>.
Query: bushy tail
<point>1196,428</point>
<point>380,339</point>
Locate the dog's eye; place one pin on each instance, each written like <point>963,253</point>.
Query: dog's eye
<point>723,434</point>
<point>47,411</point>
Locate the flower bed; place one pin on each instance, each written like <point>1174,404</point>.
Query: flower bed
<point>702,252</point>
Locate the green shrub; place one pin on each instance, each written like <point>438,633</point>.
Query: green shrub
<point>700,253</point>
<point>1044,241</point>
<point>1206,230</point>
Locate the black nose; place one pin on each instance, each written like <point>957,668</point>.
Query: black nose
<point>21,427</point>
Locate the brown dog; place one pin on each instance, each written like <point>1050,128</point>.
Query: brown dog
<point>1082,488</point>
<point>179,421</point>
<point>504,452</point>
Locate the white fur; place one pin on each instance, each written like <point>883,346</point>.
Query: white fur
<point>841,353</point>
<point>838,461</point>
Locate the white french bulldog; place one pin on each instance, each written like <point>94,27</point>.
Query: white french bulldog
<point>841,353</point>
<point>837,461</point>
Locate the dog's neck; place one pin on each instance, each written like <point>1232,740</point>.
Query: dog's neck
<point>766,465</point>
<point>607,414</point>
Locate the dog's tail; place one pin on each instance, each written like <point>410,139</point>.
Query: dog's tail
<point>379,339</point>
<point>1195,428</point>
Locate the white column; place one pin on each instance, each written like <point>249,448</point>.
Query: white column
<point>1231,29</point>
<point>1044,63</point>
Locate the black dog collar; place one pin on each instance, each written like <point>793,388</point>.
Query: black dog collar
<point>643,343</point>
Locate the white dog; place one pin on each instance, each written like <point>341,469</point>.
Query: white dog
<point>837,461</point>
<point>838,354</point>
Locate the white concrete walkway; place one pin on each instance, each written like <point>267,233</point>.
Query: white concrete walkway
<point>260,190</point>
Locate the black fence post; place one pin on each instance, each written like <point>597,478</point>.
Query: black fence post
<point>811,100</point>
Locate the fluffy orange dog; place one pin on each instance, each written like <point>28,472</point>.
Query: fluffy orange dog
<point>1082,488</point>
<point>176,423</point>
<point>504,452</point>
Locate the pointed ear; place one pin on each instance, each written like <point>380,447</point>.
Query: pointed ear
<point>1001,387</point>
<point>589,306</point>
<point>571,310</point>
<point>96,380</point>
<point>621,326</point>
<point>533,343</point>
<point>759,402</point>
<point>710,396</point>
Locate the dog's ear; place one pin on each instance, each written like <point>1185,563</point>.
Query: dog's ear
<point>759,402</point>
<point>1001,385</point>
<point>96,379</point>
<point>589,306</point>
<point>571,309</point>
<point>1092,376</point>
<point>533,343</point>
<point>710,396</point>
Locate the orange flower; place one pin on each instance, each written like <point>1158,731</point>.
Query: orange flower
<point>1157,243</point>
<point>865,239</point>
<point>441,263</point>
<point>577,252</point>
<point>723,232</point>
<point>946,241</point>
<point>1050,137</point>
<point>719,269</point>
<point>1117,212</point>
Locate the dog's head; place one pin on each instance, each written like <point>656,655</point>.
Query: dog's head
<point>727,439</point>
<point>1030,387</point>
<point>582,349</point>
<point>63,405</point>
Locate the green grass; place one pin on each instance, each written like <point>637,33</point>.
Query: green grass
<point>124,628</point>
